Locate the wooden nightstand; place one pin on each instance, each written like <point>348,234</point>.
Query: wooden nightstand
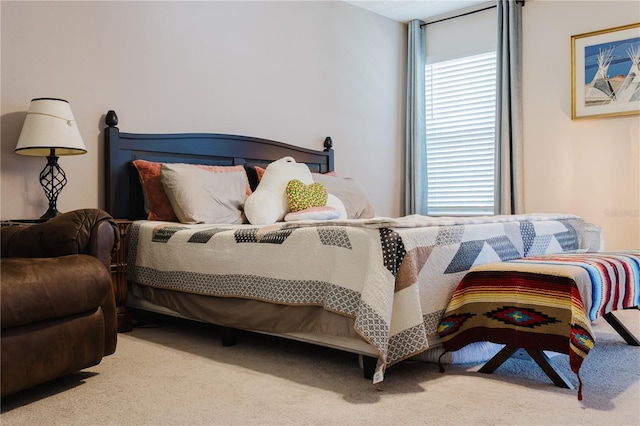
<point>119,277</point>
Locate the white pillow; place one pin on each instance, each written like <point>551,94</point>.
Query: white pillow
<point>336,203</point>
<point>350,192</point>
<point>268,203</point>
<point>201,196</point>
<point>313,213</point>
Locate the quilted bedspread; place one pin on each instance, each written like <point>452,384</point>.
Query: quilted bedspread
<point>393,276</point>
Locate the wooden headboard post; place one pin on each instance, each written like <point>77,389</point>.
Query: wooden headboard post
<point>115,173</point>
<point>123,193</point>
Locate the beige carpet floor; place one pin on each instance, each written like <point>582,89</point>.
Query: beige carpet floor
<point>180,374</point>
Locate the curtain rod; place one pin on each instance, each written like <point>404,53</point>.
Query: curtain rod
<point>521,2</point>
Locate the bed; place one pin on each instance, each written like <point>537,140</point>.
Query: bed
<point>373,286</point>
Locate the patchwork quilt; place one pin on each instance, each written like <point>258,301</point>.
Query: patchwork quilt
<point>393,276</point>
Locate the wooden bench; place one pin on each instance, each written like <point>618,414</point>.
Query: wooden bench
<point>544,303</point>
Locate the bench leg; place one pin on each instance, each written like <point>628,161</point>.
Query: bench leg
<point>539,357</point>
<point>621,329</point>
<point>498,359</point>
<point>552,372</point>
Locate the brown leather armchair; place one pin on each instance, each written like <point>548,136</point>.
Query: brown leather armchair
<point>58,308</point>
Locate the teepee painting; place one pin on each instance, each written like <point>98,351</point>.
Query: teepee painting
<point>629,90</point>
<point>612,65</point>
<point>606,72</point>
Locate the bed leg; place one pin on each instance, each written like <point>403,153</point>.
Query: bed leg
<point>368,366</point>
<point>229,336</point>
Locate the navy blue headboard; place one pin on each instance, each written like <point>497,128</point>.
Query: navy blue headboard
<point>123,192</point>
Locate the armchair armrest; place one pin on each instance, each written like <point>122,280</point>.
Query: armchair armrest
<point>84,231</point>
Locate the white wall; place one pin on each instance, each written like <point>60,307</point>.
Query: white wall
<point>290,71</point>
<point>586,167</point>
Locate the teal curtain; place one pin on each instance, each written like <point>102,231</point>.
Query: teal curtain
<point>415,136</point>
<point>508,192</point>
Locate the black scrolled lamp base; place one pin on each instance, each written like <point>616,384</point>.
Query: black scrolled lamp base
<point>52,179</point>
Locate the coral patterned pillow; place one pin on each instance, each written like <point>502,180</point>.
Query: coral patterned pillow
<point>159,206</point>
<point>301,196</point>
<point>259,172</point>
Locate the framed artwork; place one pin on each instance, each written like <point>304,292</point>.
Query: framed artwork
<point>605,73</point>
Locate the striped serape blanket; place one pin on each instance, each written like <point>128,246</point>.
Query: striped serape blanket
<point>541,303</point>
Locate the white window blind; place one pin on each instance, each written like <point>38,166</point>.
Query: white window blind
<point>460,99</point>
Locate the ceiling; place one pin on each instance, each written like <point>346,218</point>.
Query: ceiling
<point>427,10</point>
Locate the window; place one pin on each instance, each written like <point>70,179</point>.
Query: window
<point>460,111</point>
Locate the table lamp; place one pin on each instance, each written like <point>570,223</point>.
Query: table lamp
<point>50,130</point>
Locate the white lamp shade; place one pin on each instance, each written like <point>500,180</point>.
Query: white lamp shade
<point>50,125</point>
